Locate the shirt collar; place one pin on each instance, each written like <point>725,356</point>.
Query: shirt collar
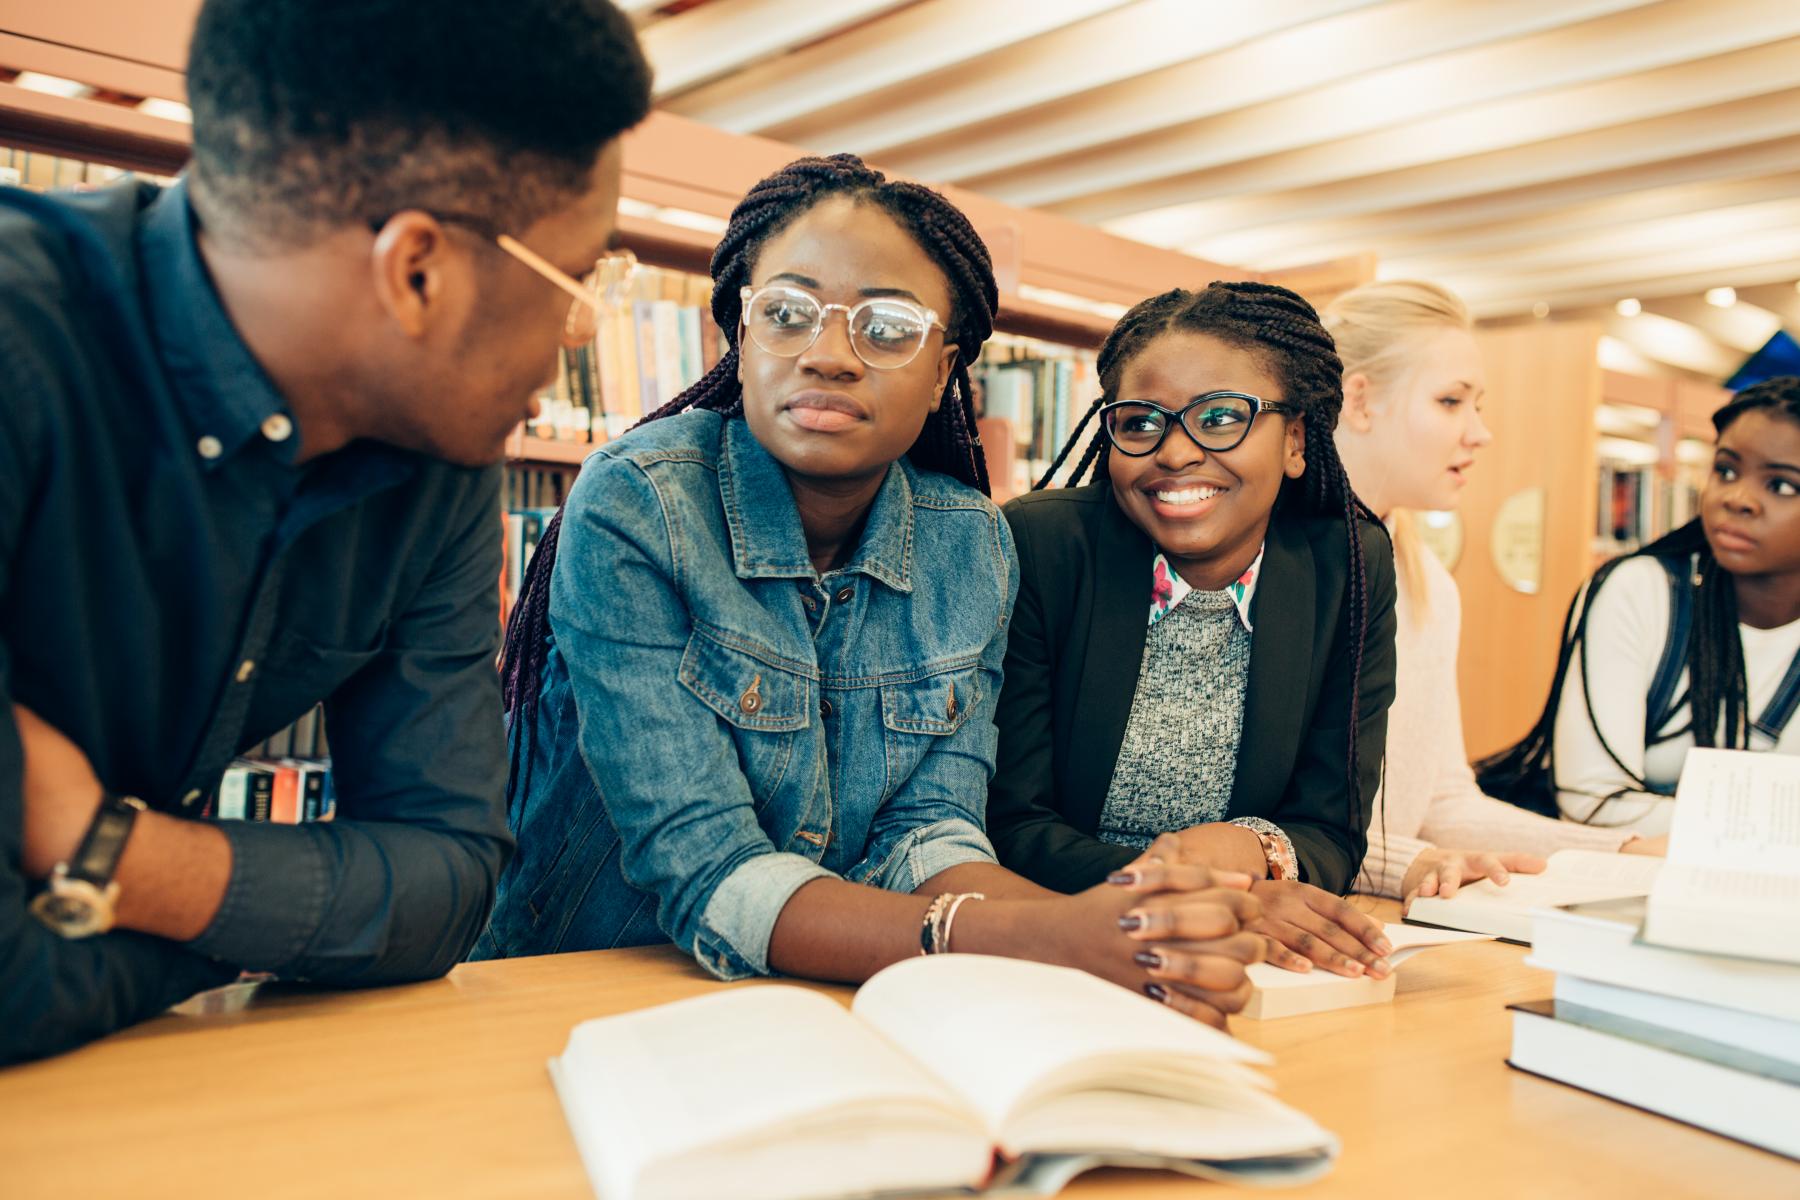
<point>223,391</point>
<point>767,540</point>
<point>1168,589</point>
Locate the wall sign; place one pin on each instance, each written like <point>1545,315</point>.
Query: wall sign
<point>1518,540</point>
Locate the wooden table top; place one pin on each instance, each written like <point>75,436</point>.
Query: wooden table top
<point>440,1090</point>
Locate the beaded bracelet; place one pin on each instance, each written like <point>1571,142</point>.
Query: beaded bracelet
<point>934,930</point>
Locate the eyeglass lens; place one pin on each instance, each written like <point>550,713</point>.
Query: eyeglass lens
<point>883,333</point>
<point>1219,423</point>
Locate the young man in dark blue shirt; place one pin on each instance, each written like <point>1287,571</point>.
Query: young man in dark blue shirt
<point>250,428</point>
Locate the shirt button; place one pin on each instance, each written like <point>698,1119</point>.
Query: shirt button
<point>191,799</point>
<point>245,670</point>
<point>824,708</point>
<point>210,446</point>
<point>844,594</point>
<point>277,427</point>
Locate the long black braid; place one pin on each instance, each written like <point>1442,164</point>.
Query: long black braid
<point>1718,695</point>
<point>1283,328</point>
<point>948,443</point>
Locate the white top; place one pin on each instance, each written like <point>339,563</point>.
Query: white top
<point>1628,622</point>
<point>1429,796</point>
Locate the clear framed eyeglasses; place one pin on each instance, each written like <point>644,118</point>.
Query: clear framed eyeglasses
<point>886,332</point>
<point>1217,421</point>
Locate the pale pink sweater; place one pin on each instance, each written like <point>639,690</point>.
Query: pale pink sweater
<point>1429,795</point>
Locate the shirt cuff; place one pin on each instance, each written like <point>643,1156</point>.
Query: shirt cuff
<point>274,901</point>
<point>932,850</point>
<point>740,916</point>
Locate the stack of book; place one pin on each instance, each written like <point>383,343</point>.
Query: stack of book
<point>1687,1002</point>
<point>285,779</point>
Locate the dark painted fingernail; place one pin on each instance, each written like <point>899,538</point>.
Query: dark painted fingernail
<point>1131,922</point>
<point>1157,992</point>
<point>1123,878</point>
<point>1147,958</point>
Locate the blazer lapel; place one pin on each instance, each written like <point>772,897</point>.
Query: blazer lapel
<point>1281,652</point>
<point>1114,653</point>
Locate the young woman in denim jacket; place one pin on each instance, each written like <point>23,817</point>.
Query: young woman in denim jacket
<point>752,701</point>
<point>1203,654</point>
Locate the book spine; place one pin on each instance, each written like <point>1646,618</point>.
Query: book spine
<point>262,793</point>
<point>284,802</point>
<point>233,793</point>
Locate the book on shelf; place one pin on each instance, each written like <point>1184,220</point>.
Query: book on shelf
<point>1638,504</point>
<point>1569,877</point>
<point>1040,389</point>
<point>938,1078</point>
<point>651,345</point>
<point>1279,992</point>
<point>1747,1095</point>
<point>1732,881</point>
<point>285,791</point>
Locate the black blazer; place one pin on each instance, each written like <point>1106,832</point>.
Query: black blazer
<point>1072,663</point>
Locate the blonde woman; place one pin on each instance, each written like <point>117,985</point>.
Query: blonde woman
<point>1410,433</point>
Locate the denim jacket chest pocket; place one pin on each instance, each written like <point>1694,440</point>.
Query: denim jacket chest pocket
<point>766,704</point>
<point>917,711</point>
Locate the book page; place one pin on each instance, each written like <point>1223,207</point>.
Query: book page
<point>994,1029</point>
<point>1738,810</point>
<point>728,1067</point>
<point>1408,940</point>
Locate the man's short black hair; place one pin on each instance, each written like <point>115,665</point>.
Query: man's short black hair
<point>311,114</point>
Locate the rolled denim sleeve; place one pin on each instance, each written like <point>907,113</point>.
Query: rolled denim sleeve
<point>937,819</point>
<point>398,886</point>
<point>664,763</point>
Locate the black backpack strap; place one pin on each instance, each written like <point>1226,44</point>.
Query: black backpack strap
<point>1661,702</point>
<point>1782,704</point>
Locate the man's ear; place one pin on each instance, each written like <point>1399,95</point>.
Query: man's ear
<point>1357,416</point>
<point>410,265</point>
<point>1293,463</point>
<point>946,364</point>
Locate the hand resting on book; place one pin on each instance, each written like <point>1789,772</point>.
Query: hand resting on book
<point>1440,872</point>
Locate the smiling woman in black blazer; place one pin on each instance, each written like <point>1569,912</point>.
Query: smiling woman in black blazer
<point>1200,648</point>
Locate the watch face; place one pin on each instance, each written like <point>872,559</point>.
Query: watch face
<point>72,908</point>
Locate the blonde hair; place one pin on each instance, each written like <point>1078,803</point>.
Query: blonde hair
<point>1375,327</point>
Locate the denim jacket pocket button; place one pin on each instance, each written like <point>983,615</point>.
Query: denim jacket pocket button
<point>751,700</point>
<point>825,708</point>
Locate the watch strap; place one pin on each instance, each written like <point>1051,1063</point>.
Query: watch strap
<point>96,859</point>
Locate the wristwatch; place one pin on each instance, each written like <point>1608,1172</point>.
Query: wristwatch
<point>78,902</point>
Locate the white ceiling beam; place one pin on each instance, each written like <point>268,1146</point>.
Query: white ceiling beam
<point>917,41</point>
<point>1743,123</point>
<point>1769,258</point>
<point>1470,217</point>
<point>1594,218</point>
<point>699,45</point>
<point>1489,128</point>
<point>1562,53</point>
<point>1117,45</point>
<point>1287,63</point>
<point>1742,328</point>
<point>1712,227</point>
<point>1674,343</point>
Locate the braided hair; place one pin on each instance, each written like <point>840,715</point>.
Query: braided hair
<point>948,443</point>
<point>1283,329</point>
<point>1718,690</point>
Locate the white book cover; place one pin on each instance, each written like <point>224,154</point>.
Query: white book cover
<point>1279,992</point>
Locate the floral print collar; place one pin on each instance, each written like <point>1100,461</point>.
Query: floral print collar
<point>1168,588</point>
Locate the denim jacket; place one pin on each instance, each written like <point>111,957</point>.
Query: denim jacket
<point>718,724</point>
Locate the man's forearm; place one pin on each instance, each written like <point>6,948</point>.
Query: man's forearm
<point>172,876</point>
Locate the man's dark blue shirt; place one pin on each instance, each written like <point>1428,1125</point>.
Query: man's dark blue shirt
<point>174,588</point>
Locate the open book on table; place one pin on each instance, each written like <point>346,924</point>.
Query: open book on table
<point>1570,877</point>
<point>1732,883</point>
<point>950,1073</point>
<point>1279,992</point>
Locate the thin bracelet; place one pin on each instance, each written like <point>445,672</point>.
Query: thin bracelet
<point>943,943</point>
<point>928,927</point>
